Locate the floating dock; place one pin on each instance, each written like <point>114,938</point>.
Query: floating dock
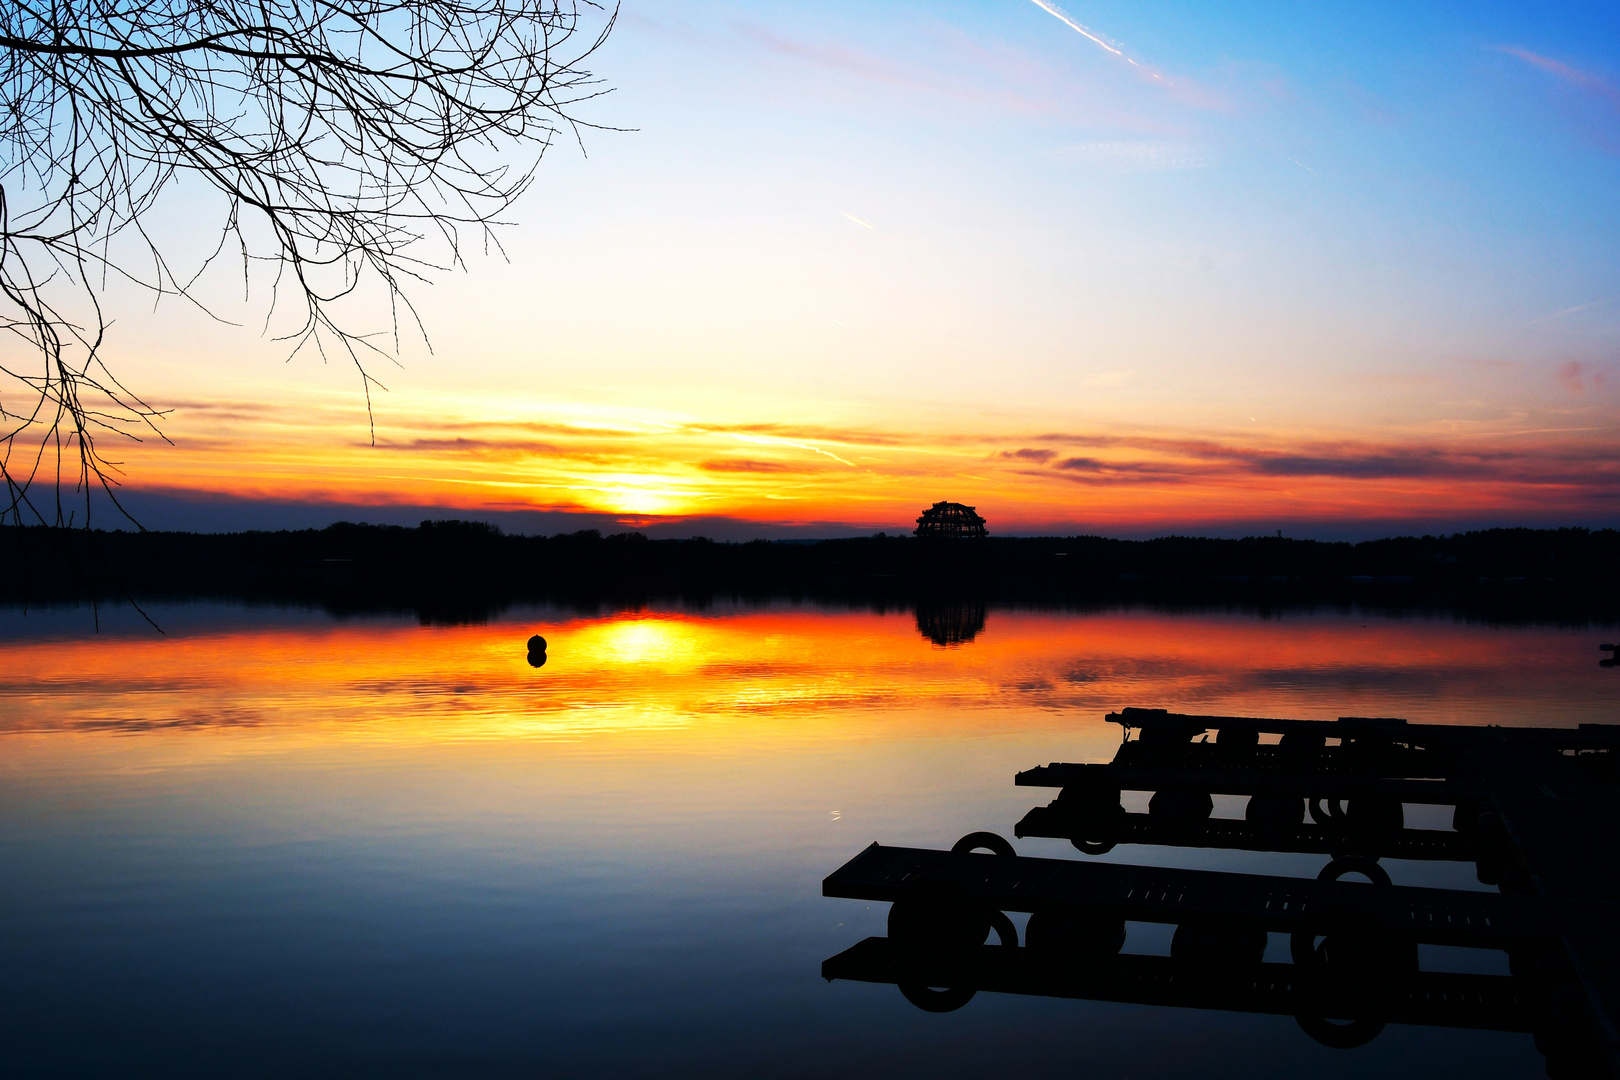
<point>1535,810</point>
<point>1416,844</point>
<point>1168,895</point>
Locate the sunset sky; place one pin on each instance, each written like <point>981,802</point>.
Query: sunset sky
<point>1099,267</point>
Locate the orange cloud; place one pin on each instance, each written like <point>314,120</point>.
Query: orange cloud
<point>744,465</point>
<point>1576,378</point>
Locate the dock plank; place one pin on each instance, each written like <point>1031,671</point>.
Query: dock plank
<point>1054,822</point>
<point>1581,737</point>
<point>1228,781</point>
<point>1170,895</point>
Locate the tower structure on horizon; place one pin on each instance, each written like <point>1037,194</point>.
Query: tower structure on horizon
<point>951,521</point>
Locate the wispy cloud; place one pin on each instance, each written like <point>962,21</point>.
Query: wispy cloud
<point>772,440</point>
<point>850,61</point>
<point>843,436</point>
<point>941,67</point>
<point>1355,464</point>
<point>913,77</point>
<point>1135,155</point>
<point>1594,89</point>
<point>1090,470</point>
<point>1577,378</point>
<point>1586,80</point>
<point>463,445</point>
<point>1566,312</point>
<point>1158,460</point>
<point>747,465</point>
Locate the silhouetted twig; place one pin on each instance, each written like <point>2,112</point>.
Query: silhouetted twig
<point>353,143</point>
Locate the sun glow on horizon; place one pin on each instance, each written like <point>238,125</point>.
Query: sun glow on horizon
<point>866,473</point>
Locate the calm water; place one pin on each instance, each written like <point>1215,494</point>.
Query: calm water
<point>276,843</point>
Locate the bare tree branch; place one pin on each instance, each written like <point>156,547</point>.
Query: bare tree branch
<point>351,143</point>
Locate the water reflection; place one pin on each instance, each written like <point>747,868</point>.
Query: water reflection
<point>950,622</point>
<point>1356,988</point>
<point>655,669</point>
<point>277,842</point>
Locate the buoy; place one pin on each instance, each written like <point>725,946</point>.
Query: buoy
<point>537,644</point>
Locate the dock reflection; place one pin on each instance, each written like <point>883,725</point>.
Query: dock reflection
<point>1341,1003</point>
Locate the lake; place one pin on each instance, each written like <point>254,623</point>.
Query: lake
<point>273,841</point>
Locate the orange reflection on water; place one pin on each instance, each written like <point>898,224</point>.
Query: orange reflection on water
<point>786,676</point>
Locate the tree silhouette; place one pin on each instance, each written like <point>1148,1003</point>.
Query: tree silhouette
<point>352,148</point>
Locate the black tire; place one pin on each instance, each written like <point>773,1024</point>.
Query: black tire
<point>957,921</point>
<point>1355,864</point>
<point>929,999</point>
<point>1093,817</point>
<point>991,842</point>
<point>1093,847</point>
<point>1345,1036</point>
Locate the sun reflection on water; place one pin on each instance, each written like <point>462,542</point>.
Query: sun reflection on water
<point>641,641</point>
<point>748,672</point>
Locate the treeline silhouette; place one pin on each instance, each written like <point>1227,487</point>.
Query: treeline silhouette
<point>1568,572</point>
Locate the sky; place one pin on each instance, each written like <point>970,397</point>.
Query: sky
<point>1340,270</point>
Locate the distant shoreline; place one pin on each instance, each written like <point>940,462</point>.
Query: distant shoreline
<point>1507,573</point>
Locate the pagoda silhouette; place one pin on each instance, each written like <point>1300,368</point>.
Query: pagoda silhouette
<point>951,521</point>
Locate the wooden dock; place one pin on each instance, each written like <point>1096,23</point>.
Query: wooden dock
<point>1536,811</point>
<point>1167,895</point>
<point>1189,725</point>
<point>1230,781</point>
<point>1054,822</point>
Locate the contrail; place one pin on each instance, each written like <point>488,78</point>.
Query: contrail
<point>769,440</point>
<point>1059,13</point>
<point>1579,307</point>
